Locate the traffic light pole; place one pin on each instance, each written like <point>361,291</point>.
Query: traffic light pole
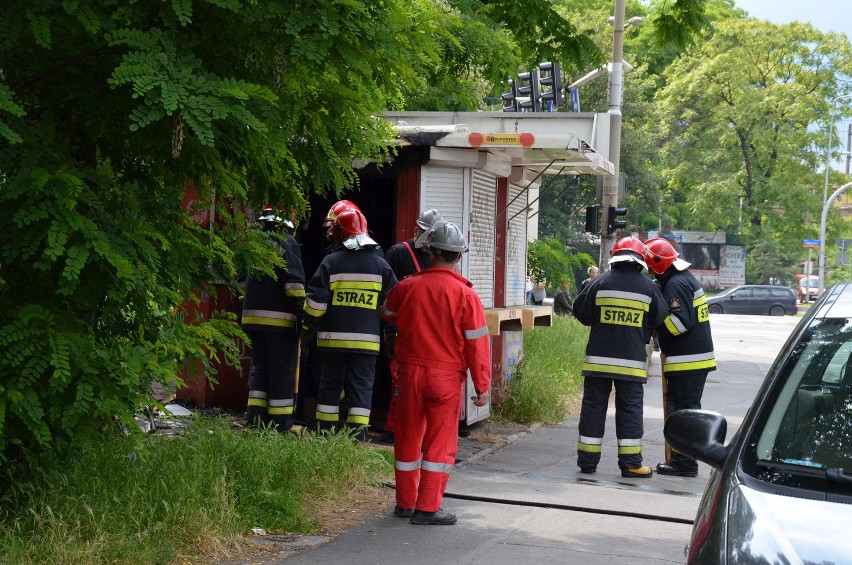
<point>616,89</point>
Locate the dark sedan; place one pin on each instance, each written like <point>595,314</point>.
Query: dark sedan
<point>754,299</point>
<point>782,488</point>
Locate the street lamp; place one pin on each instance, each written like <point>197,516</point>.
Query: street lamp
<point>823,218</point>
<point>828,145</point>
<point>609,199</point>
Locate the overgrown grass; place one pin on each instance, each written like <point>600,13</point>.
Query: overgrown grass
<point>549,374</point>
<point>155,500</point>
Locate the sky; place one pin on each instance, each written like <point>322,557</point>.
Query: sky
<point>825,15</point>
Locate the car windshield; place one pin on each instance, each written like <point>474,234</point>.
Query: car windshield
<point>726,292</point>
<point>805,430</point>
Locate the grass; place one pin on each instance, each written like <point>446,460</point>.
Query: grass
<point>154,500</point>
<point>548,376</point>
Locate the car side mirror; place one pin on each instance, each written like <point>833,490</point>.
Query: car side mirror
<point>699,434</point>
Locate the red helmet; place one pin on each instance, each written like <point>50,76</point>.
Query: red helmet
<point>337,208</point>
<point>628,249</point>
<point>350,230</point>
<point>660,255</point>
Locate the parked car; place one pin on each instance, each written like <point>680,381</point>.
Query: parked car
<point>781,491</point>
<point>754,299</point>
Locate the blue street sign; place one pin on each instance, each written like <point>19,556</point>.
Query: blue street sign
<point>810,243</point>
<point>575,100</point>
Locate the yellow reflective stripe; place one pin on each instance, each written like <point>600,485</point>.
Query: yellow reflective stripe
<point>257,402</point>
<point>588,447</point>
<point>356,285</point>
<point>295,293</point>
<point>360,420</point>
<point>624,303</point>
<point>280,411</point>
<point>694,366</point>
<point>615,370</point>
<point>269,322</point>
<point>371,346</point>
<point>327,417</point>
<point>313,311</point>
<point>274,314</point>
<point>629,449</point>
<point>699,301</point>
<point>672,324</point>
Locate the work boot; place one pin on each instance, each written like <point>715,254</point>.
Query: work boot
<point>672,471</point>
<point>588,469</point>
<point>439,518</point>
<point>643,472</point>
<point>403,512</point>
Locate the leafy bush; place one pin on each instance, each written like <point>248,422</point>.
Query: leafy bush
<point>549,260</point>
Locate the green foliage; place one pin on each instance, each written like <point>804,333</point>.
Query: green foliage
<point>164,500</point>
<point>549,375</point>
<point>549,260</point>
<point>740,147</point>
<point>108,110</point>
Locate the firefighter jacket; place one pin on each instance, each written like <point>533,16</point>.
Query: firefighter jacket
<point>274,304</point>
<point>622,306</point>
<point>685,338</point>
<point>343,300</point>
<point>407,259</point>
<point>441,323</point>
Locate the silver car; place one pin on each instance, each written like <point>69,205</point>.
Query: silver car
<point>782,489</point>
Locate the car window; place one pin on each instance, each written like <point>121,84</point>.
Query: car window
<point>742,293</point>
<point>760,293</point>
<point>781,292</point>
<point>807,421</point>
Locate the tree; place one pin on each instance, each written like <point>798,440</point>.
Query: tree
<point>108,110</point>
<point>738,115</point>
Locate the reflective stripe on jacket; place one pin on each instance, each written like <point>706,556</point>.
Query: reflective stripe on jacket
<point>441,323</point>
<point>273,304</point>
<point>685,338</point>
<point>344,297</point>
<point>622,306</point>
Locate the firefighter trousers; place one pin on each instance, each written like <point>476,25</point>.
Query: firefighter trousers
<point>353,375</point>
<point>629,397</point>
<point>272,379</point>
<point>684,391</point>
<point>426,439</point>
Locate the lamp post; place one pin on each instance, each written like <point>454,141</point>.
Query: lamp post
<point>609,199</point>
<point>825,209</point>
<point>829,143</point>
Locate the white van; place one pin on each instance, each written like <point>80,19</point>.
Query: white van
<point>808,288</point>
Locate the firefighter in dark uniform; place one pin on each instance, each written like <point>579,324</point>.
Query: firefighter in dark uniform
<point>623,307</point>
<point>342,316</point>
<point>405,258</point>
<point>686,343</point>
<point>271,309</point>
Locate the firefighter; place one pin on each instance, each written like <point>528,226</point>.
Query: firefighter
<point>442,335</point>
<point>271,308</point>
<point>686,343</point>
<point>406,258</point>
<point>328,222</point>
<point>342,317</point>
<point>622,306</point>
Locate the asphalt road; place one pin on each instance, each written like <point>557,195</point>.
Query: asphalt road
<point>527,502</point>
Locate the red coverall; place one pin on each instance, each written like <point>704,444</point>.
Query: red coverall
<point>441,333</point>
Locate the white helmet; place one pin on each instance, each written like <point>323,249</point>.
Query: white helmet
<point>428,218</point>
<point>446,236</point>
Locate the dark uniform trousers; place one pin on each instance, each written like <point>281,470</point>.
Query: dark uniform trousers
<point>272,379</point>
<point>352,374</point>
<point>629,398</point>
<point>684,391</point>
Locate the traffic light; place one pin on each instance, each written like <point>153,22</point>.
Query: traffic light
<point>510,98</point>
<point>550,78</point>
<point>613,224</point>
<point>592,223</point>
<point>528,94</point>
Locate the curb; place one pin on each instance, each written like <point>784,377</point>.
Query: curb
<point>492,448</point>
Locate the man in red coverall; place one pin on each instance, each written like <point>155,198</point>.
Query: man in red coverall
<point>441,334</point>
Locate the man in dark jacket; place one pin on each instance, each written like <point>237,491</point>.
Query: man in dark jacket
<point>271,308</point>
<point>562,304</point>
<point>622,306</point>
<point>686,343</point>
<point>342,316</point>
